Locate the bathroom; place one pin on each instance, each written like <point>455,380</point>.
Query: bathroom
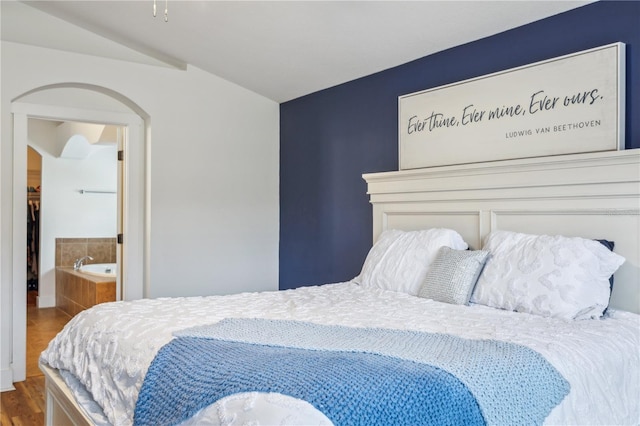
<point>85,273</point>
<point>78,211</point>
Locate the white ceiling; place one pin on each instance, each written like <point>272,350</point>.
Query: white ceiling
<point>279,49</point>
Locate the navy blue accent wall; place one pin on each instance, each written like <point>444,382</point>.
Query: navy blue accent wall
<point>330,138</point>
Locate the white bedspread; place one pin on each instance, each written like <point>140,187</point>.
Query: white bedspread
<point>108,348</point>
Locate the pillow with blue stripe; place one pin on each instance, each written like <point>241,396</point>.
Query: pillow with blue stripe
<point>610,245</point>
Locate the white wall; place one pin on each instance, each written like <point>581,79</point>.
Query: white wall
<point>65,212</point>
<point>214,169</point>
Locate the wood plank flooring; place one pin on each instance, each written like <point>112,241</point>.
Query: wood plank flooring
<point>25,405</point>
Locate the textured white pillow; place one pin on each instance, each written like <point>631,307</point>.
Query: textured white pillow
<point>453,275</point>
<point>551,276</point>
<point>399,260</point>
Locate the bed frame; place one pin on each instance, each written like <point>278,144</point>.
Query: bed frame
<point>593,195</point>
<point>61,408</point>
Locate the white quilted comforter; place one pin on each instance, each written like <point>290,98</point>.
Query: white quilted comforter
<point>104,352</point>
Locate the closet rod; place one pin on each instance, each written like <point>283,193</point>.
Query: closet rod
<point>89,191</point>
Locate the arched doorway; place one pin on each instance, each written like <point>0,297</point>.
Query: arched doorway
<point>93,104</point>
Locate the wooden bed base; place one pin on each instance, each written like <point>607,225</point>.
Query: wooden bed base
<point>593,195</point>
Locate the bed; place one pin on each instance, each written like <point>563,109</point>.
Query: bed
<point>498,355</point>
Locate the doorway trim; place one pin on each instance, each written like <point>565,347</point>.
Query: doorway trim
<point>136,201</point>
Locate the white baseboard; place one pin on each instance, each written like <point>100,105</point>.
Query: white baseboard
<point>46,302</point>
<point>6,380</point>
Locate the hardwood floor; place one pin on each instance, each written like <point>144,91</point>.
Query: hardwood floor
<point>25,405</point>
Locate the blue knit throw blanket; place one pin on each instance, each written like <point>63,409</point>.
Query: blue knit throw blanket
<point>355,376</point>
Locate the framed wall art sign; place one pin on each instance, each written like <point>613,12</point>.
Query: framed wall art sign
<point>565,105</point>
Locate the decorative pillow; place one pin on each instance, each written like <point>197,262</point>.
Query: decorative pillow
<point>453,275</point>
<point>399,260</point>
<point>610,245</point>
<point>552,276</point>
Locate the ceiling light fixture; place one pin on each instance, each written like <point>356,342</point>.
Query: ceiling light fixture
<point>166,10</point>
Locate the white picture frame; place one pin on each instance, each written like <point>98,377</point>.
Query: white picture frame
<point>565,105</point>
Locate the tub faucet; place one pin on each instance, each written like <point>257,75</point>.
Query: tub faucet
<point>79,262</point>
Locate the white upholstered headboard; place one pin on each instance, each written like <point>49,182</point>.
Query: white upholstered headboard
<point>595,195</point>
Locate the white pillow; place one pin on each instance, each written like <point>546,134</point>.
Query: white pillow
<point>399,260</point>
<point>551,276</point>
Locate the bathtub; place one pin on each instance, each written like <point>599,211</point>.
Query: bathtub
<point>100,269</point>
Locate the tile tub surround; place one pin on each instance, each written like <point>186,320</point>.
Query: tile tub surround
<point>103,250</point>
<point>76,291</point>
